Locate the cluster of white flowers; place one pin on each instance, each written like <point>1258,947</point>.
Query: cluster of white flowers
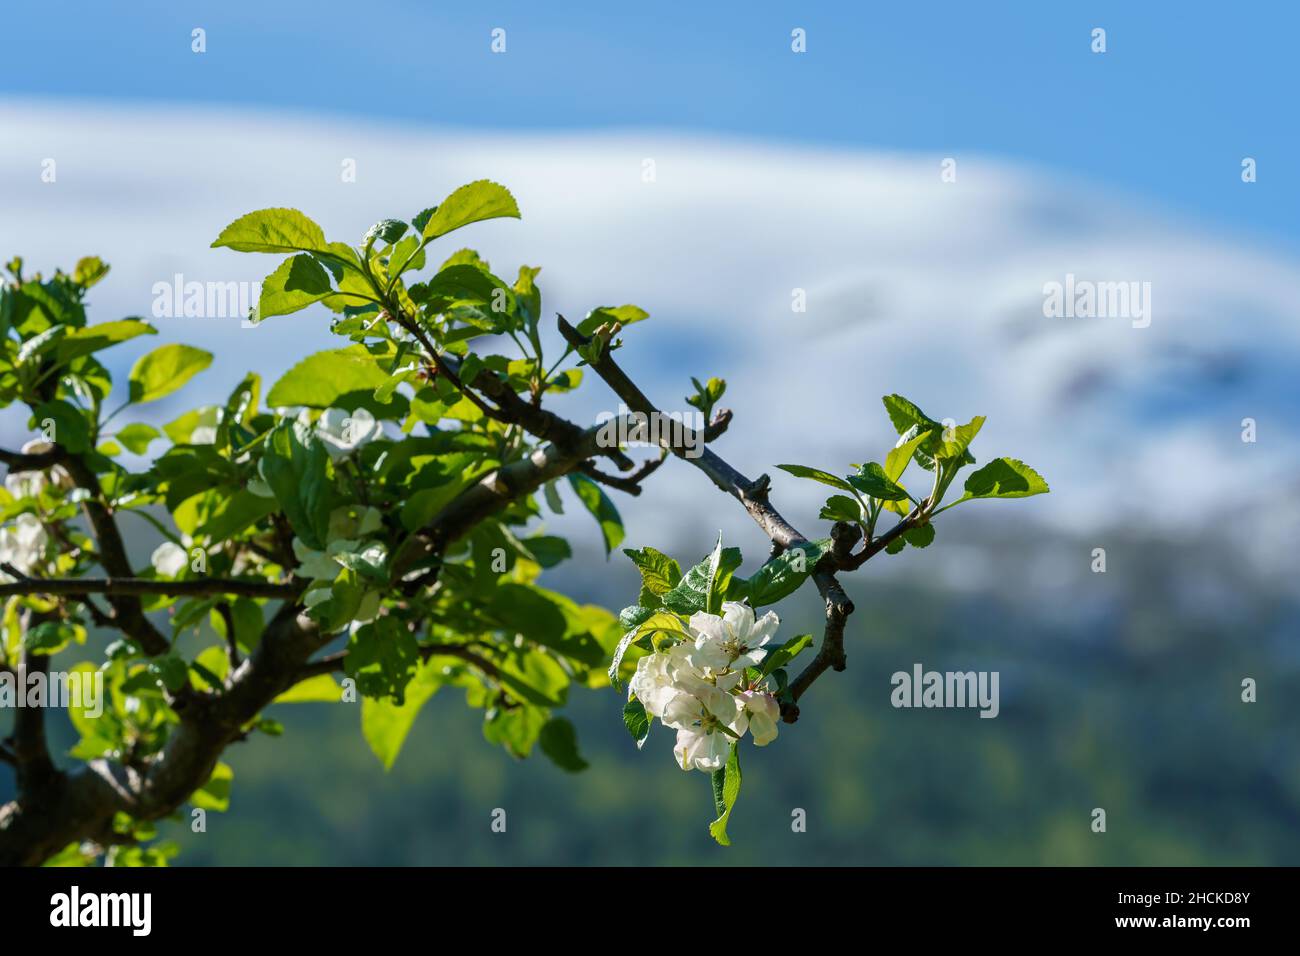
<point>344,432</point>
<point>23,541</point>
<point>698,687</point>
<point>169,559</point>
<point>29,484</point>
<point>349,527</point>
<point>22,545</point>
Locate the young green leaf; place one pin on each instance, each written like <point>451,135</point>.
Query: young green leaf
<point>598,503</point>
<point>94,338</point>
<point>816,474</point>
<point>873,480</point>
<point>384,724</point>
<point>782,575</point>
<point>559,741</point>
<point>1005,478</point>
<point>784,654</point>
<point>164,370</point>
<point>273,230</point>
<point>841,508</point>
<point>637,721</point>
<point>954,441</point>
<point>321,379</point>
<point>659,574</point>
<point>726,788</point>
<point>71,430</point>
<point>137,436</point>
<point>474,202</point>
<point>692,593</point>
<point>298,282</point>
<point>610,314</point>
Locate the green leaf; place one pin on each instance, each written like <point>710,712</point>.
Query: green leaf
<point>716,588</point>
<point>637,721</point>
<point>236,513</point>
<point>321,689</point>
<point>609,314</point>
<point>215,794</point>
<point>165,369</point>
<point>535,678</point>
<point>633,615</point>
<point>547,550</point>
<point>89,270</point>
<point>816,474</point>
<point>707,395</point>
<point>382,658</point>
<point>841,508</point>
<point>559,741</point>
<point>784,654</point>
<point>921,536</point>
<point>42,343</point>
<point>294,466</point>
<point>898,457</point>
<point>321,379</point>
<point>386,231</point>
<point>273,230</point>
<point>726,788</point>
<point>692,593</point>
<point>873,480</point>
<point>910,421</point>
<point>905,415</point>
<point>1005,478</point>
<point>385,725</point>
<point>93,338</point>
<point>897,460</point>
<point>781,576</point>
<point>538,614</point>
<point>657,622</point>
<point>298,282</point>
<point>474,202</point>
<point>137,436</point>
<point>70,428</point>
<point>953,442</point>
<point>50,637</point>
<point>659,573</point>
<point>467,283</point>
<point>598,503</point>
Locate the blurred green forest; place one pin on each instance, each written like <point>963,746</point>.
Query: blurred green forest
<point>1119,690</point>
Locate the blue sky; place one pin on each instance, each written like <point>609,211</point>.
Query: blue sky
<point>1182,94</point>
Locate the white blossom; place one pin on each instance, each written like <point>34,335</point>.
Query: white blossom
<point>655,682</point>
<point>764,713</point>
<point>344,432</point>
<point>702,715</point>
<point>29,484</point>
<point>22,544</point>
<point>734,640</point>
<point>25,484</point>
<point>312,564</point>
<point>169,559</point>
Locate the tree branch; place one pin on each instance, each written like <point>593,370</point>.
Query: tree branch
<point>332,663</point>
<point>129,586</point>
<point>753,495</point>
<point>631,484</point>
<point>80,804</point>
<point>127,613</point>
<point>493,492</point>
<point>39,461</point>
<point>30,750</point>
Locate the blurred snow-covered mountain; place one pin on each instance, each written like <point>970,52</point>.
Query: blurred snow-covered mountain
<point>912,284</point>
